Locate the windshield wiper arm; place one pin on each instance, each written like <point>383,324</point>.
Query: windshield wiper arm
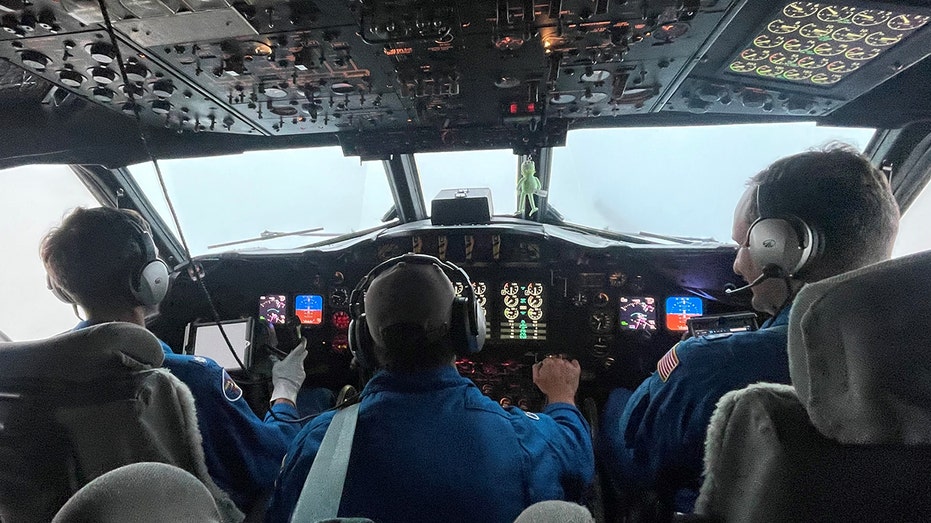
<point>269,235</point>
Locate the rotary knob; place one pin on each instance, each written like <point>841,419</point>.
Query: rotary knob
<point>71,78</point>
<point>35,60</point>
<point>136,72</point>
<point>103,95</point>
<point>163,88</point>
<point>161,107</point>
<point>103,75</point>
<point>102,52</point>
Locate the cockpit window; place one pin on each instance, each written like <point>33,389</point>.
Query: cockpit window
<point>493,169</point>
<point>33,199</point>
<point>675,181</point>
<point>280,199</point>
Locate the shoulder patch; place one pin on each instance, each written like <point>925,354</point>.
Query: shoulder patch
<point>230,389</point>
<point>668,363</point>
<point>200,359</point>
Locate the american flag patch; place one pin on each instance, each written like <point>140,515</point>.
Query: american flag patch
<point>668,363</point>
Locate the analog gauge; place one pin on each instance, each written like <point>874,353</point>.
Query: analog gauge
<point>796,45</point>
<point>510,289</point>
<point>825,79</point>
<point>510,314</point>
<point>800,9</point>
<point>742,67</point>
<point>810,62</point>
<point>535,314</point>
<point>835,13</point>
<point>755,55</point>
<point>769,41</point>
<point>796,74</point>
<point>601,299</point>
<point>881,39</point>
<point>479,287</point>
<point>831,48</point>
<point>580,299</point>
<point>816,31</point>
<point>341,320</point>
<point>841,67</point>
<point>481,300</point>
<point>534,289</point>
<point>859,53</point>
<point>870,17</point>
<point>770,70</point>
<point>339,297</point>
<point>778,58</point>
<point>511,301</point>
<point>617,279</point>
<point>535,302</point>
<point>458,287</point>
<point>907,22</point>
<point>849,34</point>
<point>600,322</point>
<point>783,27</point>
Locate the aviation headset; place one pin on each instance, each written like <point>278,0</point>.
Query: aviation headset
<point>466,324</point>
<point>779,243</point>
<point>148,282</point>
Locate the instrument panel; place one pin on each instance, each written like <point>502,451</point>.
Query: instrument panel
<point>616,310</point>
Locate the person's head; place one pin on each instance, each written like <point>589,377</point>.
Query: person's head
<point>97,258</point>
<point>408,310</point>
<point>845,201</point>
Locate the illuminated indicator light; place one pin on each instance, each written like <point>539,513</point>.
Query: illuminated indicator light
<point>399,51</point>
<point>531,107</point>
<point>513,108</point>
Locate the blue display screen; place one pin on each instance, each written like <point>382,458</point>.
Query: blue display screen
<point>679,309</point>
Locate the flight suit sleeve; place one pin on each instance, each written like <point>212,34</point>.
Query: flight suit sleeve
<point>572,440</point>
<point>295,467</point>
<point>661,431</point>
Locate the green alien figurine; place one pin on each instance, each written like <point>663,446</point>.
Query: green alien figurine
<point>528,184</point>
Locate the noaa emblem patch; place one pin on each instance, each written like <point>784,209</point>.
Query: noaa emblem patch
<point>230,389</point>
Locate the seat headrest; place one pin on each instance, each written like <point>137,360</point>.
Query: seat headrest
<point>858,352</point>
<point>154,492</point>
<point>83,355</point>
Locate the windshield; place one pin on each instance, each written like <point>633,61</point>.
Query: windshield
<point>222,201</point>
<point>675,181</point>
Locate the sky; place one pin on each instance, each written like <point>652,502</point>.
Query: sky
<point>601,179</point>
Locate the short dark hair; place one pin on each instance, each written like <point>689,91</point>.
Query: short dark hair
<point>839,193</point>
<point>93,253</point>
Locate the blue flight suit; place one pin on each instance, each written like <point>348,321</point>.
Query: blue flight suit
<point>430,447</point>
<point>242,452</point>
<point>654,438</point>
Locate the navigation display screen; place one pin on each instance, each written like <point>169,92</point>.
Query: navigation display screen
<point>273,308</point>
<point>309,308</point>
<point>679,309</point>
<point>523,315</point>
<point>637,313</point>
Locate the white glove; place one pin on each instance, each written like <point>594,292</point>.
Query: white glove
<point>288,374</point>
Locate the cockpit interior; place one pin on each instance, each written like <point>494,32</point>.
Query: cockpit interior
<point>281,149</point>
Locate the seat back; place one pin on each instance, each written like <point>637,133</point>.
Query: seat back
<point>851,440</point>
<point>153,492</point>
<point>77,405</point>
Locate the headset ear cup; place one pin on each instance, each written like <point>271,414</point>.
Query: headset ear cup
<point>461,327</point>
<point>361,343</point>
<point>151,285</point>
<point>775,242</point>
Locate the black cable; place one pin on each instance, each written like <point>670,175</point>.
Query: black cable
<point>129,91</point>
